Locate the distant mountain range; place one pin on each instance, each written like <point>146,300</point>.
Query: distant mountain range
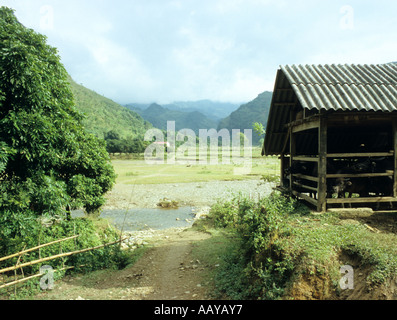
<point>206,114</point>
<point>214,111</point>
<point>158,116</point>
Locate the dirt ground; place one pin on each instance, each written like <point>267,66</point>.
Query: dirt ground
<point>195,194</point>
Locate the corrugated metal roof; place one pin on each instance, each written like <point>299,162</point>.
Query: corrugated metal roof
<point>345,87</point>
<point>342,87</point>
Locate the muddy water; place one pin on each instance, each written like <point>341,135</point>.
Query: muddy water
<point>147,218</point>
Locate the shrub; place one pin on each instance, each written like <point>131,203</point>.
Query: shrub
<point>260,267</point>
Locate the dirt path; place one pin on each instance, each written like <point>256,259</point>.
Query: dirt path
<point>170,270</point>
<point>166,271</point>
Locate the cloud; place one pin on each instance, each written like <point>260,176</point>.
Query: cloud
<point>166,50</point>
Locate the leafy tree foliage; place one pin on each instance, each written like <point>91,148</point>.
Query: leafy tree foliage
<point>47,160</point>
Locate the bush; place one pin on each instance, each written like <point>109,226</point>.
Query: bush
<point>260,267</point>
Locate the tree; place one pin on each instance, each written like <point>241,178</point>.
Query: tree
<point>113,142</point>
<point>47,160</point>
<point>112,135</point>
<point>260,130</point>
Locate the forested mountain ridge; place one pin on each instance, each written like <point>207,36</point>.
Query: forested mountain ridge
<point>244,117</point>
<point>159,115</point>
<point>103,115</point>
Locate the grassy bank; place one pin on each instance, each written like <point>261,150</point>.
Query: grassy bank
<point>277,249</point>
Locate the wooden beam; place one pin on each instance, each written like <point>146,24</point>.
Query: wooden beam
<point>303,176</point>
<point>303,186</point>
<point>303,158</point>
<point>361,200</point>
<point>313,124</point>
<point>358,155</point>
<point>343,118</point>
<point>359,175</point>
<point>305,197</point>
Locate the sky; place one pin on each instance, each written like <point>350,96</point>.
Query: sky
<point>146,51</point>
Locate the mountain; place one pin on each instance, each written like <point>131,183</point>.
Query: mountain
<point>159,115</point>
<point>103,114</point>
<point>244,117</point>
<point>212,109</point>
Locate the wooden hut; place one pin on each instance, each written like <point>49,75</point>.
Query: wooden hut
<point>334,125</point>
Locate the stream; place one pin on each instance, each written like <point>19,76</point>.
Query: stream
<point>139,219</point>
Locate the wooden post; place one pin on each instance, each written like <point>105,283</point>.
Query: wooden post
<point>395,158</point>
<point>282,170</point>
<point>291,147</point>
<point>292,152</point>
<point>322,165</point>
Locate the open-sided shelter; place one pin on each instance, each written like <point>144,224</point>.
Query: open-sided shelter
<point>335,130</point>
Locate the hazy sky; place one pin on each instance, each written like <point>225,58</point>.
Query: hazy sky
<point>223,50</point>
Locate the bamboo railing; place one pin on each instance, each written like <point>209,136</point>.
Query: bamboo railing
<point>30,263</point>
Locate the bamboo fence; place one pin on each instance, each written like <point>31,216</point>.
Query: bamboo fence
<point>19,265</point>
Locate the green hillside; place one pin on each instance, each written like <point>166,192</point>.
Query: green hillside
<point>244,117</point>
<point>103,114</point>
